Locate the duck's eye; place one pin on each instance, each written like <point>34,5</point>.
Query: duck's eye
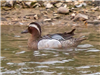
<point>30,30</point>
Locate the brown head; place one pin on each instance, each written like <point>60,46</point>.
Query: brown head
<point>35,30</point>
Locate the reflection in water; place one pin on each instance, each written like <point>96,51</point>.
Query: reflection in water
<point>18,59</point>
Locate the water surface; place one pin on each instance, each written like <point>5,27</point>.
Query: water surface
<point>18,59</point>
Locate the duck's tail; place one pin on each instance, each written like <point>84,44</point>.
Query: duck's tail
<point>80,39</point>
<point>71,32</point>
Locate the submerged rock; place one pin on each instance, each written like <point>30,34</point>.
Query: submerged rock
<point>63,10</point>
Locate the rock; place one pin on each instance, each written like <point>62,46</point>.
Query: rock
<point>33,0</point>
<point>32,16</point>
<point>94,22</point>
<point>47,20</point>
<point>97,3</point>
<point>80,17</point>
<point>18,6</point>
<point>36,17</point>
<point>80,1</point>
<point>63,10</point>
<point>98,17</point>
<point>6,8</point>
<point>73,15</point>
<point>68,0</point>
<point>48,5</point>
<point>80,5</point>
<point>76,2</point>
<point>58,4</point>
<point>56,16</point>
<point>28,3</point>
<point>36,5</point>
<point>9,3</point>
<point>41,3</point>
<point>3,19</point>
<point>94,9</point>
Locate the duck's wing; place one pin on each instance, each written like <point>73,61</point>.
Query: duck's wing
<point>53,36</point>
<point>68,35</point>
<point>60,36</point>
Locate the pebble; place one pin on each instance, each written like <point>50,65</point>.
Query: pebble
<point>63,10</point>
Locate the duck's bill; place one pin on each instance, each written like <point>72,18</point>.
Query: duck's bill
<point>25,31</point>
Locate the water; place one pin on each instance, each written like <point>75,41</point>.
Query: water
<point>18,59</point>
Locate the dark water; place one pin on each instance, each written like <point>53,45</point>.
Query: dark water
<point>18,59</point>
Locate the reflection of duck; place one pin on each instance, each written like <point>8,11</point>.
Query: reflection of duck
<point>51,41</point>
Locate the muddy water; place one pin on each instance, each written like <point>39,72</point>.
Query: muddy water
<point>18,59</point>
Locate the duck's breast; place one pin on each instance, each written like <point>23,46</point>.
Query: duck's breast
<point>49,44</point>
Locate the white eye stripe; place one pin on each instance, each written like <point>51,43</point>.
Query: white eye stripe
<point>33,25</point>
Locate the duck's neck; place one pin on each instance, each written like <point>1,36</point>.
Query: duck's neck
<point>33,42</point>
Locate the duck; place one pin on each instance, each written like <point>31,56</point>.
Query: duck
<point>50,41</point>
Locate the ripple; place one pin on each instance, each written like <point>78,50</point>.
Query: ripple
<point>9,72</point>
<point>42,66</point>
<point>52,62</point>
<point>61,67</point>
<point>9,63</point>
<point>97,73</point>
<point>21,52</point>
<point>45,72</point>
<point>1,67</point>
<point>17,36</point>
<point>94,50</point>
<point>1,57</point>
<point>21,64</point>
<point>85,46</point>
<point>82,67</point>
<point>28,72</point>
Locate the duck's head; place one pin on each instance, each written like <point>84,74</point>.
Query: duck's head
<point>34,29</point>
